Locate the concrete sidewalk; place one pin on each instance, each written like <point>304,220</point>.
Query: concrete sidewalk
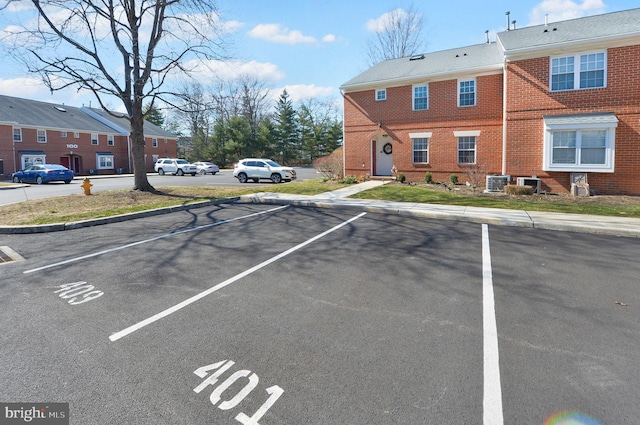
<point>616,226</point>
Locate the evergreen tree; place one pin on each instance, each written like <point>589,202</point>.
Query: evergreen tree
<point>286,130</point>
<point>153,115</point>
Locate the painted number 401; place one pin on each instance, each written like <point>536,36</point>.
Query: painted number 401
<point>274,392</point>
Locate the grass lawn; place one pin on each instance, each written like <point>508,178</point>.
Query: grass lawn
<point>79,207</point>
<point>620,206</point>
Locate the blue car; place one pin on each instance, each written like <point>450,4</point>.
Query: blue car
<point>43,173</point>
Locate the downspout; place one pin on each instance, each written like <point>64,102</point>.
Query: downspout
<point>504,117</point>
<point>15,161</point>
<point>129,151</point>
<point>344,137</point>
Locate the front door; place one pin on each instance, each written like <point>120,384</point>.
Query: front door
<point>383,154</point>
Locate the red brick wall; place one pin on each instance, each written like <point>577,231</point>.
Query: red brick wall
<point>529,99</point>
<point>57,147</point>
<point>363,112</point>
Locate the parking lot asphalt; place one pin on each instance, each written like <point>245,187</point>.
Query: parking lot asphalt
<point>613,226</point>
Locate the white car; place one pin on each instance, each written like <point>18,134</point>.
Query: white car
<point>260,168</point>
<point>176,166</point>
<point>206,167</point>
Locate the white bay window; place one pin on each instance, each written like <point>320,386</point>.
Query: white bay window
<point>583,142</point>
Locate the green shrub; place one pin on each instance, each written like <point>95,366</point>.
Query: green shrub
<point>512,189</point>
<point>349,180</point>
<point>401,178</point>
<point>428,178</point>
<point>453,178</point>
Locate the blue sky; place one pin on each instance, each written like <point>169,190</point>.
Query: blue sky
<point>312,47</point>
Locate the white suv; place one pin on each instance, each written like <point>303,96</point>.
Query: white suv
<point>175,166</point>
<point>260,168</point>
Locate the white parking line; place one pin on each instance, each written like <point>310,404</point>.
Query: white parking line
<point>116,336</point>
<point>168,235</point>
<point>492,402</point>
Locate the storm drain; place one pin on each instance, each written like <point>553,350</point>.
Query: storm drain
<point>8,255</point>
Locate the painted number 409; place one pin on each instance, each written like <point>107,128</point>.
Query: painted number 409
<point>221,367</point>
<point>78,292</point>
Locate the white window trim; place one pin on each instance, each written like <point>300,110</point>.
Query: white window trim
<point>111,140</point>
<point>384,96</point>
<point>101,155</point>
<point>38,135</point>
<point>154,142</point>
<point>413,97</point>
<point>95,137</point>
<point>19,134</point>
<point>576,71</point>
<point>607,167</point>
<point>76,135</point>
<point>475,92</point>
<point>425,135</point>
<point>467,133</point>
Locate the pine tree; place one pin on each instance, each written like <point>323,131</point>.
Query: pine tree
<point>287,130</point>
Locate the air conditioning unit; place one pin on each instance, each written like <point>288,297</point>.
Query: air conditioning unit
<point>534,182</point>
<point>497,183</point>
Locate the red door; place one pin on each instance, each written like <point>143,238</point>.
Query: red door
<point>64,160</point>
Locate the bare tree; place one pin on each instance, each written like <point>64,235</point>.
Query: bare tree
<point>397,34</point>
<point>73,43</point>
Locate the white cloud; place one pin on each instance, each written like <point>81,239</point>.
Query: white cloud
<point>560,10</point>
<point>207,71</point>
<point>25,87</point>
<point>384,21</point>
<point>300,92</point>
<point>329,38</point>
<point>275,33</point>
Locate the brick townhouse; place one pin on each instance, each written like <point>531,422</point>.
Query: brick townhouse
<point>557,103</point>
<point>86,140</point>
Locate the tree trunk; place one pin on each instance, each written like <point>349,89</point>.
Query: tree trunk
<point>137,149</point>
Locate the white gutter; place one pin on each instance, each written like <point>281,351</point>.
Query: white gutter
<point>572,44</point>
<point>487,70</point>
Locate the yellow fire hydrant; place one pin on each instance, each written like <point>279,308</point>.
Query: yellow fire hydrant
<point>86,185</point>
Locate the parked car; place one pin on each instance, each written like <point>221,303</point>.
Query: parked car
<point>176,166</point>
<point>260,168</point>
<point>206,167</point>
<point>43,173</point>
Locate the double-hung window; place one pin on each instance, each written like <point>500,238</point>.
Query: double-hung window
<point>466,93</point>
<point>42,136</point>
<point>580,142</point>
<point>17,135</point>
<point>420,142</point>
<point>421,97</point>
<point>467,146</point>
<point>467,150</point>
<point>94,139</point>
<point>110,141</point>
<point>154,142</point>
<point>579,71</point>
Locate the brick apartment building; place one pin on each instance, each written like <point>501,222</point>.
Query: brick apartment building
<point>86,140</point>
<point>558,102</point>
